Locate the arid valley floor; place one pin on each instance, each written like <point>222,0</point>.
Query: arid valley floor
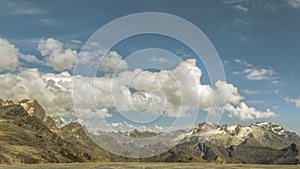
<point>127,165</point>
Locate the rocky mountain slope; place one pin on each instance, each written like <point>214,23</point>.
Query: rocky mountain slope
<point>25,139</point>
<point>29,135</point>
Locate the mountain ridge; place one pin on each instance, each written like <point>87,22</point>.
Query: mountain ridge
<point>29,135</point>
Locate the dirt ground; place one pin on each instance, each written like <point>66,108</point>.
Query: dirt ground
<point>124,165</point>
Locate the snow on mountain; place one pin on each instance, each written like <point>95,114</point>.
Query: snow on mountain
<point>220,135</point>
<point>6,103</point>
<point>126,127</point>
<point>275,128</point>
<point>33,108</point>
<point>59,121</point>
<point>269,135</point>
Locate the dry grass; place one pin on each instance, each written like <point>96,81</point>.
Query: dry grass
<point>124,165</point>
<point>1,134</point>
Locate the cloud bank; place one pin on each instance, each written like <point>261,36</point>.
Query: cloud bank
<point>56,56</point>
<point>8,56</point>
<point>173,92</point>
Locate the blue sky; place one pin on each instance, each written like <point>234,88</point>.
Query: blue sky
<point>251,36</point>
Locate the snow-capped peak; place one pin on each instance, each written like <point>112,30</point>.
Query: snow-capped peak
<point>219,134</point>
<point>59,121</point>
<point>270,126</point>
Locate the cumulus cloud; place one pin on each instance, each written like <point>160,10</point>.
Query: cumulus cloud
<point>94,113</point>
<point>30,58</point>
<point>174,92</point>
<point>31,84</point>
<point>56,56</point>
<point>244,112</point>
<point>111,62</point>
<point>11,57</point>
<point>295,101</point>
<point>53,91</point>
<point>294,3</point>
<point>8,55</point>
<point>259,74</point>
<point>170,91</point>
<point>253,73</point>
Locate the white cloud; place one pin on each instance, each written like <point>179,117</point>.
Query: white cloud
<point>253,73</point>
<point>236,73</point>
<point>18,8</point>
<point>159,59</point>
<point>170,91</point>
<point>244,38</point>
<point>76,41</point>
<point>244,112</point>
<point>27,11</point>
<point>241,8</point>
<point>294,3</point>
<point>227,93</point>
<point>242,62</point>
<point>30,58</point>
<point>56,56</point>
<point>8,55</point>
<point>53,94</point>
<point>249,92</point>
<point>74,44</point>
<point>49,46</point>
<point>259,74</point>
<point>181,89</point>
<point>255,101</point>
<point>275,81</point>
<point>94,113</point>
<point>295,101</point>
<point>241,22</point>
<point>112,62</point>
<point>48,22</point>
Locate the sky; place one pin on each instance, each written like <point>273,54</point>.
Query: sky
<point>258,42</point>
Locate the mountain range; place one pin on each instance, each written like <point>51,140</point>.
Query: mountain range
<point>29,135</point>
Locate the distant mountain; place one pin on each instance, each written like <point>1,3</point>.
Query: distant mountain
<point>137,134</point>
<point>257,143</point>
<point>263,134</point>
<point>29,135</point>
